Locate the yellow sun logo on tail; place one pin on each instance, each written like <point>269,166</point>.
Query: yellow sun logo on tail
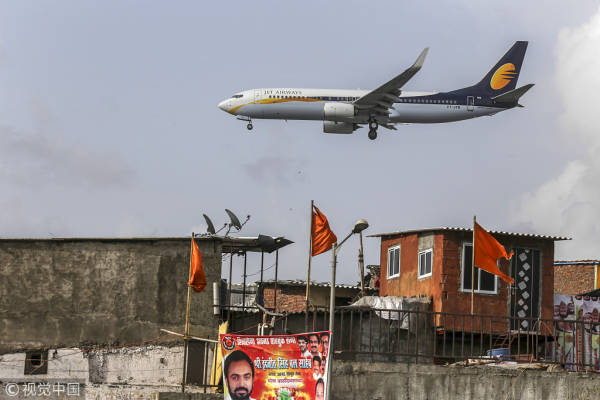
<point>503,76</point>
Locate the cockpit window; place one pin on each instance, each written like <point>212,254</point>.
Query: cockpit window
<point>237,96</point>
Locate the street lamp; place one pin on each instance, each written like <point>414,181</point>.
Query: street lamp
<point>360,226</point>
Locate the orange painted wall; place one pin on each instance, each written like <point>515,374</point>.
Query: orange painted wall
<point>408,284</point>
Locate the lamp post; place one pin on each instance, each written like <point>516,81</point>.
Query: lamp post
<point>360,226</point>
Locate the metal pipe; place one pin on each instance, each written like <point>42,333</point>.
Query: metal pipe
<point>361,267</point>
<point>276,272</point>
<point>331,317</point>
<point>229,289</point>
<point>244,284</point>
<point>308,269</point>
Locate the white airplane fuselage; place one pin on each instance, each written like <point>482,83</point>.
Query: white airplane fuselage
<point>309,104</point>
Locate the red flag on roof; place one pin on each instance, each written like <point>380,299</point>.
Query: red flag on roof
<point>323,237</point>
<point>197,277</point>
<point>487,253</point>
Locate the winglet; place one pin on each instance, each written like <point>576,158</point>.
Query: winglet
<point>421,59</point>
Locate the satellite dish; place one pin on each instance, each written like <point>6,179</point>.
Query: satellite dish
<point>234,220</point>
<point>210,227</point>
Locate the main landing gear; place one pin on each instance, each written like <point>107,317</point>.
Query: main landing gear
<point>373,129</point>
<point>249,126</point>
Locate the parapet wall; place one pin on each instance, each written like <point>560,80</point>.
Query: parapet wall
<point>405,381</point>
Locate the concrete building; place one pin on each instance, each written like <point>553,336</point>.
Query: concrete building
<point>437,263</point>
<point>576,277</point>
<point>77,291</point>
<point>69,292</point>
<point>91,310</point>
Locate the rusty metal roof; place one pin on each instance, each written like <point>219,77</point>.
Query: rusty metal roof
<point>577,262</point>
<point>299,282</point>
<point>456,229</point>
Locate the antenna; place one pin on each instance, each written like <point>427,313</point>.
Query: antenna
<point>235,222</point>
<point>210,227</point>
<point>234,219</point>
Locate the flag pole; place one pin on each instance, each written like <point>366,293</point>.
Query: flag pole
<point>187,319</point>
<point>189,292</point>
<point>473,267</point>
<point>308,270</point>
<point>361,267</point>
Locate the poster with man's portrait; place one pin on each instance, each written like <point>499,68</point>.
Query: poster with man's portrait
<point>283,367</point>
<point>577,332</point>
<point>564,316</point>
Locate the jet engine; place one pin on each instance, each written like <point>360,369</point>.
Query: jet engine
<point>342,112</point>
<point>338,127</point>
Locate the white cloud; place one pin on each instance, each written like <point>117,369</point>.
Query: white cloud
<point>569,204</point>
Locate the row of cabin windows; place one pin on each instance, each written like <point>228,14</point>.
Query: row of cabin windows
<point>484,282</point>
<point>427,101</point>
<point>333,98</point>
<point>326,98</point>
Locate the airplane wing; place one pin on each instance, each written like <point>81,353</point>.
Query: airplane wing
<point>382,99</point>
<point>391,127</point>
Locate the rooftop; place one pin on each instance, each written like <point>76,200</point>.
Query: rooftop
<point>456,229</point>
<point>577,262</point>
<point>230,244</point>
<point>298,283</point>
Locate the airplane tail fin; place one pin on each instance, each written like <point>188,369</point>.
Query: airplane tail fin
<point>504,75</point>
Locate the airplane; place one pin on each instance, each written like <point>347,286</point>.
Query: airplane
<point>344,111</point>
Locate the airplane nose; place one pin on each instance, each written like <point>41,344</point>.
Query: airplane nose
<point>223,105</point>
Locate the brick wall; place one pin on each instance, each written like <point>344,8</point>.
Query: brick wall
<point>444,287</point>
<point>290,299</point>
<point>573,279</point>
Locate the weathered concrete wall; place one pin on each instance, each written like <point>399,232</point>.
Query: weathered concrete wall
<point>153,372</point>
<point>62,292</point>
<point>138,372</point>
<point>387,381</point>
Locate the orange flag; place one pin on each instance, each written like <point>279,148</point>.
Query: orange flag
<point>197,277</point>
<point>487,253</point>
<point>322,236</point>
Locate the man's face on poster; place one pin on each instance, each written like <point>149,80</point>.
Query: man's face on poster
<point>323,366</point>
<point>302,345</point>
<point>313,342</point>
<point>316,367</point>
<point>325,343</point>
<point>320,391</point>
<point>562,311</point>
<point>240,380</point>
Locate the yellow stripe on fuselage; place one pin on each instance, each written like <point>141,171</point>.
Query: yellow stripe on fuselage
<point>273,101</point>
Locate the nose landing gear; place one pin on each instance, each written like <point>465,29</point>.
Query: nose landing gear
<point>248,120</point>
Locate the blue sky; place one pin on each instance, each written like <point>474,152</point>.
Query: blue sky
<point>109,124</point>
